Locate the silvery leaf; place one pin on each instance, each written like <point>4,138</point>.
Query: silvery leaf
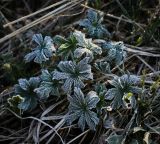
<point>73,74</point>
<point>43,51</point>
<point>81,108</point>
<point>92,23</point>
<point>122,85</point>
<point>25,88</point>
<point>85,46</point>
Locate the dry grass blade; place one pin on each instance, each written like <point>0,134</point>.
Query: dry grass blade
<point>149,49</point>
<point>140,52</point>
<point>52,118</point>
<point>57,127</point>
<point>46,118</point>
<point>35,13</point>
<point>51,14</point>
<point>130,48</point>
<point>39,120</point>
<point>145,63</point>
<point>153,74</point>
<point>51,108</point>
<point>4,138</point>
<point>78,136</point>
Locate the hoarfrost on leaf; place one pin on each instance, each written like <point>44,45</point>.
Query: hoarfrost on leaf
<point>81,108</point>
<point>114,51</point>
<point>123,85</point>
<point>73,73</point>
<point>25,89</point>
<point>43,51</point>
<point>93,25</point>
<point>85,46</point>
<point>48,86</point>
<point>103,67</point>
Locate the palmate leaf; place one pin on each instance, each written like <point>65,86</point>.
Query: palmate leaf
<point>73,74</point>
<point>48,86</point>
<point>114,52</point>
<point>43,51</point>
<point>85,46</point>
<point>81,108</point>
<point>25,89</point>
<point>93,25</point>
<point>15,100</point>
<point>103,67</point>
<point>123,85</point>
<point>67,46</point>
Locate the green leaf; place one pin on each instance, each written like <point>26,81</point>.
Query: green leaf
<point>103,67</point>
<point>66,47</point>
<point>14,101</point>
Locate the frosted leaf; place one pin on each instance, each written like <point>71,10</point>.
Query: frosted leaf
<point>122,86</point>
<point>114,52</point>
<point>43,51</point>
<point>85,46</point>
<point>48,86</point>
<point>81,108</point>
<point>73,73</point>
<point>93,25</point>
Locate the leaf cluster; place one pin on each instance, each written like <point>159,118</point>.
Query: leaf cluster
<point>119,103</point>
